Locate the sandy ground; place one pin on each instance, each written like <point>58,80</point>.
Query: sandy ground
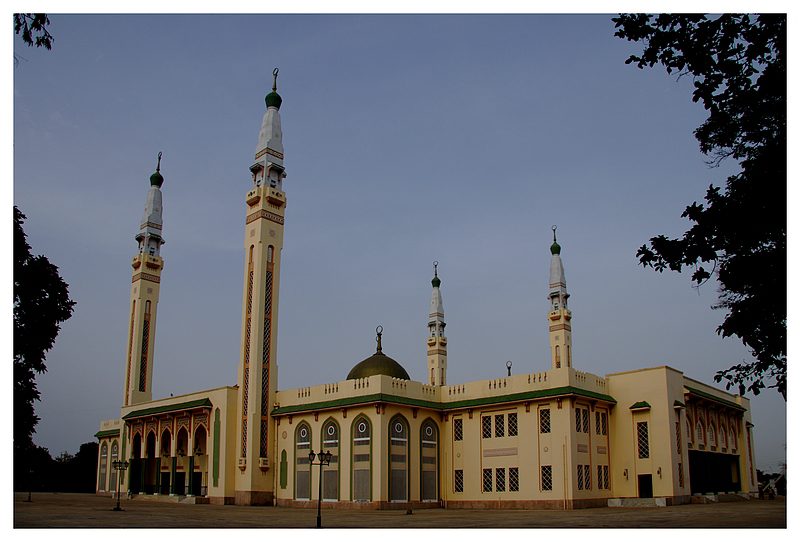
<point>62,510</point>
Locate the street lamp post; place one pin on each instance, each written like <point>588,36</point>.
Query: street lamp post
<point>120,466</point>
<point>324,459</point>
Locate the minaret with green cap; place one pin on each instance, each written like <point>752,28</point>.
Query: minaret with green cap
<point>559,316</point>
<point>265,205</point>
<point>436,342</point>
<point>145,288</point>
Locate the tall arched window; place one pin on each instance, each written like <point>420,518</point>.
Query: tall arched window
<point>733,438</point>
<point>700,433</point>
<point>114,457</point>
<point>558,357</point>
<point>723,436</point>
<point>429,463</point>
<point>688,430</point>
<point>398,459</point>
<point>361,482</point>
<point>330,477</point>
<point>712,437</point>
<point>302,467</point>
<point>101,478</point>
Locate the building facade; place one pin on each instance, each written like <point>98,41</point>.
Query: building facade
<point>559,438</point>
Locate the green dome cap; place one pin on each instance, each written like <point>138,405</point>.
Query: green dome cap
<point>378,364</point>
<point>555,248</point>
<point>273,99</point>
<point>435,282</point>
<point>156,179</point>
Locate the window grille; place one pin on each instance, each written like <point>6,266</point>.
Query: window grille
<point>587,477</point>
<point>577,420</point>
<point>643,440</point>
<point>699,429</point>
<point>605,476</point>
<point>680,474</point>
<point>603,423</point>
<point>678,442</point>
<point>547,477</point>
<point>512,424</point>
<point>580,476</point>
<point>585,420</point>
<point>597,423</point>
<point>487,480</point>
<point>458,429</point>
<point>486,426</point>
<point>712,440</point>
<point>458,481</point>
<point>513,479</point>
<point>544,420</point>
<point>599,477</point>
<point>500,479</point>
<point>499,425</point>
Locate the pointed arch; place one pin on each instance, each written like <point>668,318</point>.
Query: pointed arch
<point>429,460</point>
<point>700,431</point>
<point>302,466</point>
<point>330,437</point>
<point>399,441</point>
<point>166,442</point>
<point>101,477</point>
<point>361,459</point>
<point>114,457</point>
<point>712,436</point>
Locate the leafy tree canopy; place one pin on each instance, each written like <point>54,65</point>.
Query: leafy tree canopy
<point>41,303</point>
<point>33,27</point>
<point>738,66</point>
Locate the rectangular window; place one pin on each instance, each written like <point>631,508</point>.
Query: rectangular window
<point>499,425</point>
<point>599,477</point>
<point>603,423</point>
<point>458,481</point>
<point>577,420</point>
<point>580,476</point>
<point>544,420</point>
<point>643,440</point>
<point>678,442</point>
<point>512,424</point>
<point>585,420</point>
<point>513,479</point>
<point>486,426</point>
<point>605,476</point>
<point>547,477</point>
<point>680,474</point>
<point>597,423</point>
<point>458,429</point>
<point>500,479</point>
<point>587,477</point>
<point>487,480</point>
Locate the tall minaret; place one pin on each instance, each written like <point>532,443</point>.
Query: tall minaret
<point>145,283</point>
<point>437,342</point>
<point>258,370</point>
<point>559,316</point>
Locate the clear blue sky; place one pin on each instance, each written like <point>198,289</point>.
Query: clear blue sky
<point>408,139</point>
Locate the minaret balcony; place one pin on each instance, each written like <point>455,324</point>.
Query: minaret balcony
<point>253,197</point>
<point>276,197</point>
<point>557,314</point>
<point>431,341</point>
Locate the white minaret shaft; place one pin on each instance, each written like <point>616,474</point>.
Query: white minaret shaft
<point>559,316</point>
<point>437,342</point>
<point>145,288</point>
<point>265,204</point>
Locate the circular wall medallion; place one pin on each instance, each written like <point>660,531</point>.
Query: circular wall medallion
<point>331,430</point>
<point>303,432</point>
<point>546,449</point>
<point>362,427</point>
<point>429,431</point>
<point>284,434</point>
<point>398,428</point>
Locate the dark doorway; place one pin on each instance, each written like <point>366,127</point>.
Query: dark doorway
<point>180,483</point>
<point>710,472</point>
<point>645,486</point>
<point>197,480</point>
<point>164,483</point>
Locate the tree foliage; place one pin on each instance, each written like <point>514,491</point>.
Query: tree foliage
<point>33,27</point>
<point>738,65</point>
<point>41,304</point>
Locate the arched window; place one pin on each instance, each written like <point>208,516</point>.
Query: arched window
<point>101,478</point>
<point>733,438</point>
<point>712,437</point>
<point>330,478</point>
<point>166,444</point>
<point>688,430</point>
<point>398,459</point>
<point>270,253</point>
<point>114,457</point>
<point>429,463</point>
<point>558,357</point>
<point>700,433</point>
<point>723,436</point>
<point>361,482</point>
<point>302,467</point>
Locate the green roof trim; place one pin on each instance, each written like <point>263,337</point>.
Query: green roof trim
<point>197,403</point>
<point>434,405</point>
<point>640,405</point>
<point>678,404</point>
<point>107,433</point>
<point>706,395</point>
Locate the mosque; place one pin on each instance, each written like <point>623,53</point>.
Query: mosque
<point>555,439</point>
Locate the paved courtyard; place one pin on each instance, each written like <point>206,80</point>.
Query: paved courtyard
<point>89,511</point>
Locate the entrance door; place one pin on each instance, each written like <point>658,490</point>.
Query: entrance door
<point>135,475</point>
<point>645,486</point>
<point>197,480</point>
<point>180,483</point>
<point>164,483</point>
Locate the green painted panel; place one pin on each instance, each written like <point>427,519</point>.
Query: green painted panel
<point>284,469</point>
<point>215,466</point>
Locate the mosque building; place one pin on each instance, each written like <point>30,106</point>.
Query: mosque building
<point>557,438</point>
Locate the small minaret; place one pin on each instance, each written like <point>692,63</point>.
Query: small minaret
<point>145,284</point>
<point>265,204</point>
<point>559,316</point>
<point>437,342</point>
